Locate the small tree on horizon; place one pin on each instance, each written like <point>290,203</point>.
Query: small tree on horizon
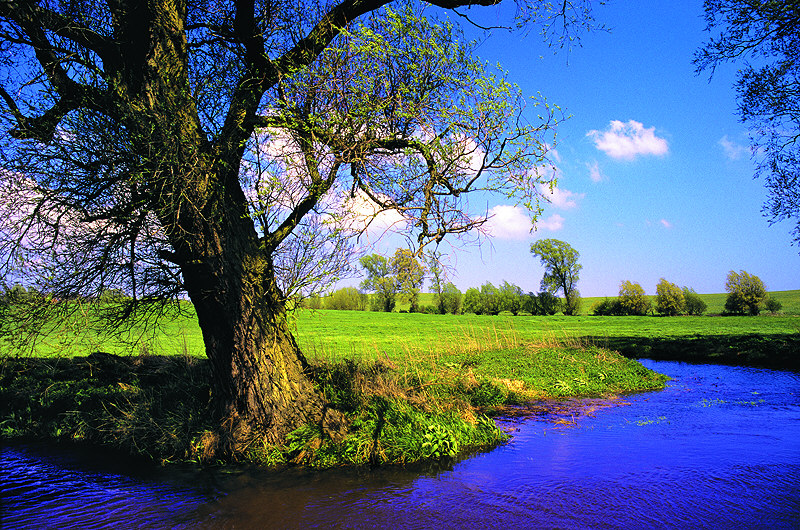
<point>562,270</point>
<point>746,293</point>
<point>669,298</point>
<point>692,302</point>
<point>632,299</point>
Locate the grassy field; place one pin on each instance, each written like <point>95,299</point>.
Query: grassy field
<point>432,376</point>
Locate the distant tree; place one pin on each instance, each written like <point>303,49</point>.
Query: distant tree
<point>433,260</point>
<point>692,302</point>
<point>490,299</point>
<point>772,305</point>
<point>313,301</point>
<point>632,299</point>
<point>450,299</point>
<point>548,304</point>
<point>347,299</point>
<point>746,293</point>
<point>768,32</point>
<point>473,301</point>
<point>562,270</point>
<point>510,297</point>
<point>381,281</point>
<point>607,307</point>
<point>669,298</point>
<point>409,274</point>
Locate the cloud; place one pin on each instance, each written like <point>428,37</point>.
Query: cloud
<point>561,199</point>
<point>553,223</point>
<point>665,223</point>
<point>594,172</point>
<point>626,141</point>
<point>508,222</point>
<point>732,150</point>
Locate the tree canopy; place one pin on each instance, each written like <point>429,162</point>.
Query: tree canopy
<point>191,148</point>
<point>765,34</point>
<point>561,271</point>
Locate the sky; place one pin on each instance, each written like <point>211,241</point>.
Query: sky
<point>654,171</point>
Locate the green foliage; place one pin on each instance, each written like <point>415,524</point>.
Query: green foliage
<point>347,298</point>
<point>772,305</point>
<point>632,300</point>
<point>669,298</point>
<point>510,297</point>
<point>381,281</point>
<point>473,301</point>
<point>562,270</point>
<point>692,302</point>
<point>542,304</point>
<point>490,299</point>
<point>746,293</point>
<point>409,274</point>
<point>450,299</point>
<point>606,307</point>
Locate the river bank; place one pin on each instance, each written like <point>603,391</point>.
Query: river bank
<point>726,434</point>
<point>157,407</point>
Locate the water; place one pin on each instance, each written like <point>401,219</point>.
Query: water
<point>719,448</point>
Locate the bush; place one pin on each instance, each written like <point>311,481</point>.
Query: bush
<point>347,298</point>
<point>772,305</point>
<point>510,297</point>
<point>632,300</point>
<point>606,307</point>
<point>451,299</point>
<point>692,303</point>
<point>746,293</point>
<point>472,301</point>
<point>669,298</point>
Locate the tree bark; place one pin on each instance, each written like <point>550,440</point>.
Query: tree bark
<point>260,382</point>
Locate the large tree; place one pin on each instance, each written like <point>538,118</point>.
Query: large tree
<point>765,34</point>
<point>171,147</point>
<point>561,271</point>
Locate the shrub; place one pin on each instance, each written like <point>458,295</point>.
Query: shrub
<point>451,299</point>
<point>772,305</point>
<point>692,303</point>
<point>490,299</point>
<point>472,301</point>
<point>606,307</point>
<point>347,298</point>
<point>669,298</point>
<point>746,293</point>
<point>632,300</point>
<point>510,298</point>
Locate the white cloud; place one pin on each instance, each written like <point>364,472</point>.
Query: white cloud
<point>553,223</point>
<point>508,222</point>
<point>628,140</point>
<point>665,223</point>
<point>594,172</point>
<point>732,150</point>
<point>562,199</point>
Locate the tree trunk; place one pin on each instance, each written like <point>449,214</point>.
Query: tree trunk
<point>261,387</point>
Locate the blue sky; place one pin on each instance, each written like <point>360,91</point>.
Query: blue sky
<point>655,178</point>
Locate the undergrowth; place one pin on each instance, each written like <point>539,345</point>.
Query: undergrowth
<point>434,405</point>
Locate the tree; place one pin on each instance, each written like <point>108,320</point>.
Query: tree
<point>561,271</point>
<point>632,300</point>
<point>490,299</point>
<point>380,281</point>
<point>347,298</point>
<point>175,148</point>
<point>510,297</point>
<point>692,302</point>
<point>409,274</point>
<point>473,301</point>
<point>450,299</point>
<point>669,298</point>
<point>768,32</point>
<point>746,293</point>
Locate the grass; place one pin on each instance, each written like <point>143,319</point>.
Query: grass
<point>410,387</point>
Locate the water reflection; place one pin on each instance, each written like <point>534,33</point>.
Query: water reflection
<point>719,448</point>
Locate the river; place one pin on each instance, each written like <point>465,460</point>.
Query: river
<point>719,448</point>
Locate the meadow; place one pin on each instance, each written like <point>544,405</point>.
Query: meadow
<point>434,375</point>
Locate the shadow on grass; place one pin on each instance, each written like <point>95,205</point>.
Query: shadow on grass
<point>780,351</point>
